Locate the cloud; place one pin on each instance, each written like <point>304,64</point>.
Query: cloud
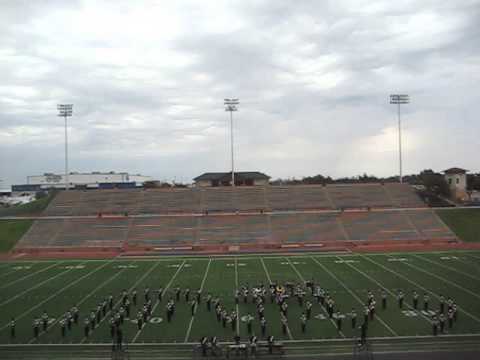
<point>148,79</point>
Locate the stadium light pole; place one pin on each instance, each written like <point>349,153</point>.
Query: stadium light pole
<point>65,110</point>
<point>399,99</point>
<point>231,106</point>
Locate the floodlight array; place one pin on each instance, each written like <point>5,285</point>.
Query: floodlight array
<point>231,104</point>
<point>399,99</point>
<point>65,110</point>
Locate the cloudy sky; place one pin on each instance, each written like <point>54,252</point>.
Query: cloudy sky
<point>148,79</point>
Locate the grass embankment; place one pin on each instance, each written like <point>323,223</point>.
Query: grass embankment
<point>463,222</point>
<point>11,231</point>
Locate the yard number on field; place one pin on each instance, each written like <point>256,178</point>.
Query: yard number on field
<point>129,266</point>
<point>77,267</point>
<point>398,259</point>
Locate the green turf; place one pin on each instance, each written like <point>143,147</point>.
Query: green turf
<point>11,231</point>
<point>27,288</point>
<point>464,222</point>
<point>32,208</point>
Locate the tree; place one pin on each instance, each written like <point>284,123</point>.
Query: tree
<point>434,182</point>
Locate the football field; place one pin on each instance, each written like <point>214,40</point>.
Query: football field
<point>28,288</point>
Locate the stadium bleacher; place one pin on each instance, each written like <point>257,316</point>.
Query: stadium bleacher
<point>217,229</point>
<point>274,215</point>
<point>226,199</point>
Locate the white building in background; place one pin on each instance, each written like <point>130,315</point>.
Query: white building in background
<point>93,180</point>
<point>86,179</point>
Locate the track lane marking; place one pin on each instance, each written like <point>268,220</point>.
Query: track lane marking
<point>393,332</point>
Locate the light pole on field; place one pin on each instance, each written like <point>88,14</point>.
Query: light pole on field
<point>65,110</point>
<point>231,105</point>
<point>399,99</point>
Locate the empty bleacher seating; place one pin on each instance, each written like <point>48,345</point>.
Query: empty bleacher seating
<point>226,199</point>
<point>233,216</point>
<point>231,229</point>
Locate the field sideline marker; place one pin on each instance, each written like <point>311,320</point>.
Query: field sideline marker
<point>394,333</point>
<point>201,289</point>
<point>158,302</point>
<point>417,285</point>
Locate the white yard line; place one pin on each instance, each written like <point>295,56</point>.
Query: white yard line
<point>30,275</point>
<point>201,288</point>
<point>53,295</point>
<point>322,307</point>
<point>442,279</point>
<point>435,341</point>
<point>35,287</point>
<point>417,285</point>
<point>266,271</point>
<point>393,332</point>
<point>158,302</point>
<point>14,270</point>
<point>473,256</point>
<point>236,305</point>
<point>447,267</point>
<point>384,288</point>
<point>270,281</point>
<point>469,263</point>
<point>129,290</point>
<point>85,298</point>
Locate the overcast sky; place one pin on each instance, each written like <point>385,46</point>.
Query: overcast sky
<point>148,79</point>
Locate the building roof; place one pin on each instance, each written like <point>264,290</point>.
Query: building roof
<point>455,170</point>
<point>210,176</point>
